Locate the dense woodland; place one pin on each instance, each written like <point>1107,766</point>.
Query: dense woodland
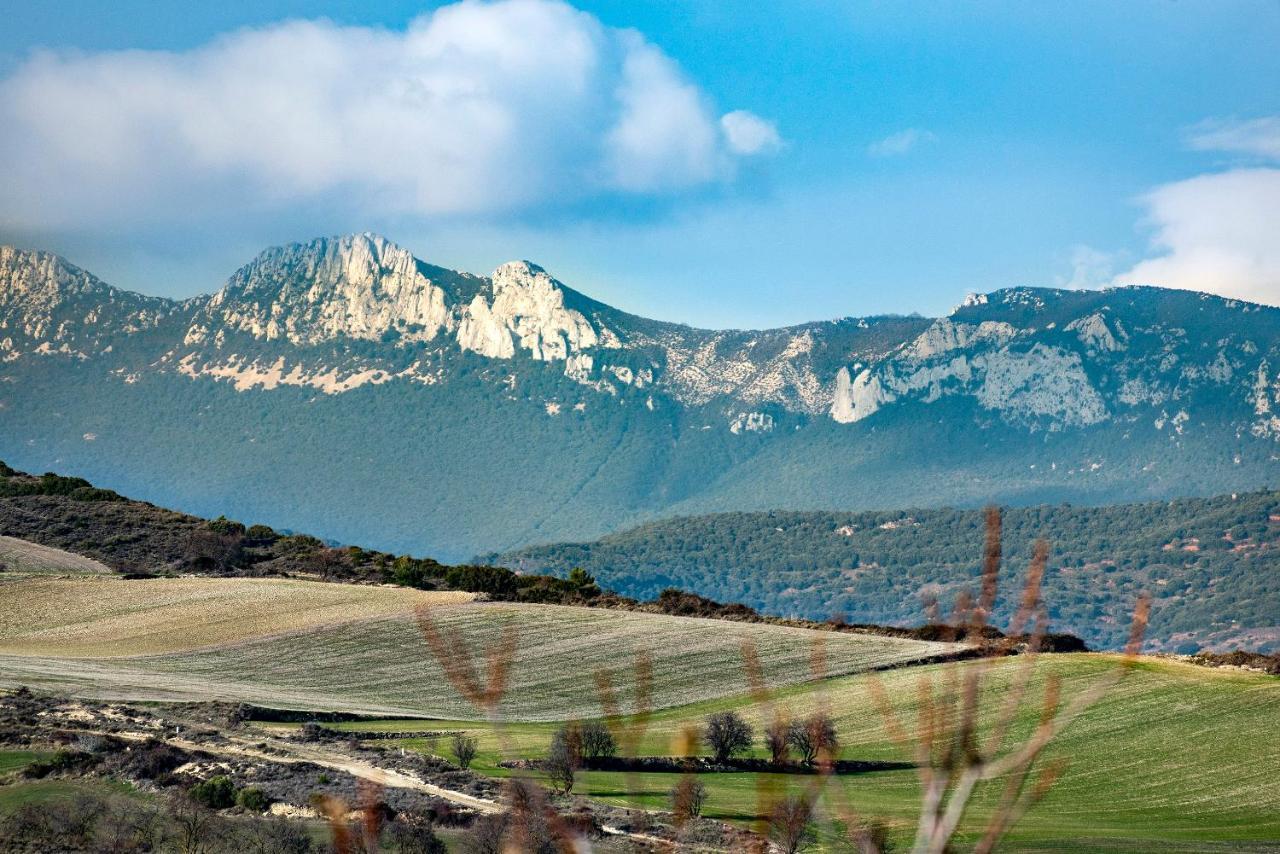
<point>1212,565</point>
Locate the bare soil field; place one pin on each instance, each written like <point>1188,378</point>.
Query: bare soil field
<point>112,617</point>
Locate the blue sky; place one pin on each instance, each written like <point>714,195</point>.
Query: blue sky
<point>922,150</point>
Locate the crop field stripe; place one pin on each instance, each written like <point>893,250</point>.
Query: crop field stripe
<point>379,663</point>
<point>112,617</point>
<point>22,557</point>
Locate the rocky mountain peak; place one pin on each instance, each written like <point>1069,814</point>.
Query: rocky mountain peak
<point>359,286</point>
<point>50,306</point>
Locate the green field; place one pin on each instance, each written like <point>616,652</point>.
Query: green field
<point>12,760</point>
<point>377,662</point>
<point>1175,757</point>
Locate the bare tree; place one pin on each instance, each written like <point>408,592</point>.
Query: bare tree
<point>726,734</point>
<point>777,740</point>
<point>195,828</point>
<point>814,738</point>
<point>327,563</point>
<point>561,765</point>
<point>791,824</point>
<point>210,551</point>
<point>570,733</point>
<point>687,798</point>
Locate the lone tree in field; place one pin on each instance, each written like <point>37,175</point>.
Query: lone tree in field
<point>814,737</point>
<point>597,741</point>
<point>463,748</point>
<point>561,763</point>
<point>727,733</point>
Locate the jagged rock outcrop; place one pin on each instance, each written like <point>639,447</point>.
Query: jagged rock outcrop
<point>48,306</point>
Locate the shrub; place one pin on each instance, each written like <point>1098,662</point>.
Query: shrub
<point>687,798</point>
<point>216,793</point>
<point>481,579</point>
<point>412,834</point>
<point>253,799</point>
<point>261,534</point>
<point>463,748</point>
<point>152,760</point>
<point>223,525</point>
<point>727,733</point>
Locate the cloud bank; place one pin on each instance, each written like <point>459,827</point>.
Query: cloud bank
<point>477,108</point>
<point>1219,232</point>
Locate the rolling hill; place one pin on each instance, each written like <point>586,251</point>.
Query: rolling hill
<point>358,648</point>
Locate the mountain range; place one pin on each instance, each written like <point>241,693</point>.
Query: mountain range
<point>344,387</point>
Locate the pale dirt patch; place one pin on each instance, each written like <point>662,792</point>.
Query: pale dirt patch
<point>109,617</point>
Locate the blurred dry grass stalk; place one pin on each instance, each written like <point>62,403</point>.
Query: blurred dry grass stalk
<point>955,747</point>
<point>533,823</point>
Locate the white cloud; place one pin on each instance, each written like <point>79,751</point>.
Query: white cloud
<point>899,143</point>
<point>1216,233</point>
<point>1253,137</point>
<point>477,108</point>
<point>1090,268</point>
<point>747,133</point>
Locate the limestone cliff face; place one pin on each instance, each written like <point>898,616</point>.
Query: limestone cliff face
<point>487,411</point>
<point>525,309</point>
<point>1058,360</point>
<point>359,287</point>
<point>49,307</point>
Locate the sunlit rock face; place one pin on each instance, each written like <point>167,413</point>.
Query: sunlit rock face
<point>360,287</point>
<point>51,307</point>
<point>524,309</point>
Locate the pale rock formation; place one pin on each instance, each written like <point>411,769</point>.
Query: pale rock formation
<point>527,306</point>
<point>751,422</point>
<point>1095,334</point>
<point>361,287</point>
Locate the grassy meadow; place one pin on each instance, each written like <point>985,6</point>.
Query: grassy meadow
<point>1176,757</point>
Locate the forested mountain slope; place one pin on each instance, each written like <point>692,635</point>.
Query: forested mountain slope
<point>1211,565</point>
